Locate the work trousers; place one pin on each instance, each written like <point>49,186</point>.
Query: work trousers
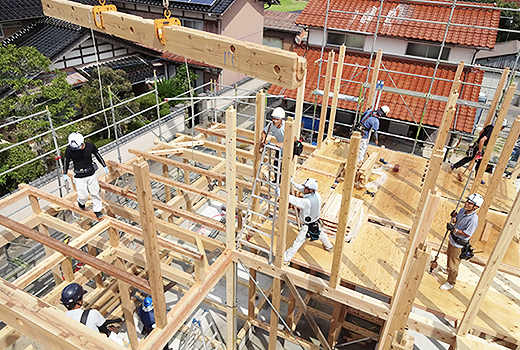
<point>464,161</point>
<point>363,146</point>
<point>300,239</point>
<point>86,185</point>
<point>453,263</point>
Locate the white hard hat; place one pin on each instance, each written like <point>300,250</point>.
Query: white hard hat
<point>278,113</point>
<point>75,140</point>
<point>311,184</point>
<point>476,199</point>
<point>385,109</point>
<point>504,123</point>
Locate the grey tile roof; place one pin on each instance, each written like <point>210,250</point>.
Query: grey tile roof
<point>20,9</point>
<point>281,21</point>
<point>218,7</point>
<point>136,68</point>
<point>51,37</point>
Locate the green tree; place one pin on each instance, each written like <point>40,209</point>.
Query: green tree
<point>19,70</point>
<point>508,20</point>
<point>180,82</point>
<point>14,157</point>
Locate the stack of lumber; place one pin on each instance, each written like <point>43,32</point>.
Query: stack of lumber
<point>330,214</point>
<point>365,170</point>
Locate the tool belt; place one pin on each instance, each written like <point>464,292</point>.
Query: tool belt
<point>458,240</point>
<point>313,230</point>
<point>90,170</point>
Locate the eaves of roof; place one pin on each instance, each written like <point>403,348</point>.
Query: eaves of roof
<point>218,7</point>
<point>407,108</point>
<point>20,9</point>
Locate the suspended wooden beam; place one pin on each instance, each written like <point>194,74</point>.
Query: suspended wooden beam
<point>280,67</point>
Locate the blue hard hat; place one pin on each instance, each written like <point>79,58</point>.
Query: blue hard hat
<point>147,302</point>
<point>72,294</point>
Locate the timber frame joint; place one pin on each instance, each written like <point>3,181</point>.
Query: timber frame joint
<point>97,10</point>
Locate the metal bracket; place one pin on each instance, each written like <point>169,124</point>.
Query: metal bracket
<point>160,23</point>
<point>98,19</point>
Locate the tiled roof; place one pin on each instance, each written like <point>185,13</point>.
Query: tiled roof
<point>282,21</point>
<point>137,70</point>
<point>218,7</point>
<point>51,37</point>
<point>398,110</point>
<point>364,22</point>
<point>178,58</point>
<point>20,9</point>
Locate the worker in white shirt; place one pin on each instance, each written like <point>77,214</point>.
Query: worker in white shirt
<point>72,298</point>
<point>310,207</point>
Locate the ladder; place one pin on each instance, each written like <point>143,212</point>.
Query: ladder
<point>202,325</point>
<point>270,166</point>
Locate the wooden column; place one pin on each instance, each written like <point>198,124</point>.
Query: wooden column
<point>298,112</point>
<point>187,181</point>
<point>127,306</point>
<point>167,189</point>
<point>338,316</point>
<point>496,178</point>
<point>98,278</point>
<point>346,200</point>
<point>281,224</point>
<point>231,170</point>
<point>259,126</point>
<point>456,80</point>
<point>325,99</point>
<point>153,263</point>
<point>337,85</point>
<point>497,96</point>
<point>493,138</point>
<point>373,81</point>
<point>446,122</point>
<point>404,294</point>
<point>491,268</point>
<point>65,265</point>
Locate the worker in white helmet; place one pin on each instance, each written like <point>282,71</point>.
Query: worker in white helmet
<point>310,207</point>
<point>274,128</point>
<point>80,153</point>
<point>370,122</point>
<point>466,223</point>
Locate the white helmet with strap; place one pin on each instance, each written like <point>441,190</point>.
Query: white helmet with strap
<point>76,140</point>
<point>278,113</point>
<point>311,184</point>
<point>476,199</point>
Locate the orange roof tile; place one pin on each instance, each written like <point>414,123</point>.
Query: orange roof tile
<point>314,15</point>
<point>398,109</point>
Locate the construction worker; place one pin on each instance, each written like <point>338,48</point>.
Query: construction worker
<point>310,207</point>
<point>476,150</point>
<point>147,316</point>
<point>275,128</point>
<point>466,222</point>
<point>72,298</point>
<point>369,122</point>
<point>80,153</point>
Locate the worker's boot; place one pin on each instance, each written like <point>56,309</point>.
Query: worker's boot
<point>99,214</point>
<point>81,206</point>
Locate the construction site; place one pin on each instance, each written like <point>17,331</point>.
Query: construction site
<point>200,220</point>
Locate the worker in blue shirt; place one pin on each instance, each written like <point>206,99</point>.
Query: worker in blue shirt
<point>370,121</point>
<point>147,316</point>
<point>466,223</point>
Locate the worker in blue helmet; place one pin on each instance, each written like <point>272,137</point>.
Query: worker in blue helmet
<point>72,298</point>
<point>147,316</point>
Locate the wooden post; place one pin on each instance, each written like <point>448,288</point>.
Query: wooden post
<point>373,82</point>
<point>281,224</point>
<point>298,112</point>
<point>494,261</point>
<point>493,138</point>
<point>167,189</point>
<point>56,273</point>
<point>252,296</point>
<point>290,311</point>
<point>402,302</point>
<point>496,178</point>
<point>446,122</point>
<point>259,126</point>
<point>153,263</point>
<point>325,99</point>
<point>338,316</point>
<point>497,96</point>
<point>337,85</point>
<point>127,306</point>
<point>187,181</point>
<point>97,278</point>
<point>456,80</point>
<point>231,170</point>
<point>346,200</point>
<point>310,319</point>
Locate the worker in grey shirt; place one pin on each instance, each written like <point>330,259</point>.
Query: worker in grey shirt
<point>275,128</point>
<point>466,223</point>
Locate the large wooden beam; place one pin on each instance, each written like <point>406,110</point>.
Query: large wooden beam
<point>337,85</point>
<point>344,211</point>
<point>127,306</point>
<point>499,251</point>
<point>45,323</point>
<point>373,81</point>
<point>446,122</point>
<point>493,138</point>
<point>310,319</point>
<point>496,178</point>
<point>496,98</point>
<point>276,66</point>
<point>325,99</point>
<point>187,304</point>
<point>153,263</point>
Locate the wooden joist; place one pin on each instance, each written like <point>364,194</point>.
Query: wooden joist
<point>280,67</point>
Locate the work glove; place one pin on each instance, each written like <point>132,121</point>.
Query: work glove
<point>450,226</point>
<point>65,177</point>
<point>453,214</point>
<point>106,170</point>
<point>478,156</point>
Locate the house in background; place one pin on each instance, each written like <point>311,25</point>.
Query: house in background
<point>280,30</point>
<point>16,14</point>
<point>410,50</point>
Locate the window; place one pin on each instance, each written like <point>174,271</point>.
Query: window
<point>353,41</point>
<point>428,51</point>
<point>191,23</point>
